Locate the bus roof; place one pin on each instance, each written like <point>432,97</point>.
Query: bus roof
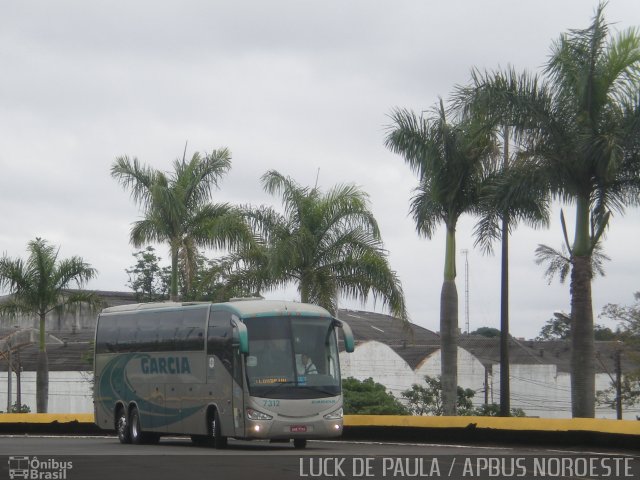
<point>243,308</point>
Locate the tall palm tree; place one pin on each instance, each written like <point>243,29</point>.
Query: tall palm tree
<point>327,243</point>
<point>449,160</point>
<point>39,286</point>
<point>508,197</point>
<point>176,209</point>
<point>510,194</point>
<point>581,127</point>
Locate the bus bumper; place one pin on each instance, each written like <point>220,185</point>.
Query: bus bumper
<point>285,429</point>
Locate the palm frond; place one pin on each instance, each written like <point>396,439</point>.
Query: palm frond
<point>149,230</point>
<point>312,243</point>
<point>558,263</point>
<point>220,226</point>
<point>135,177</point>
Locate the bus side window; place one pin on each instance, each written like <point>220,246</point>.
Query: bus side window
<point>107,334</point>
<point>219,337</point>
<point>192,333</point>
<point>147,333</point>
<point>169,324</point>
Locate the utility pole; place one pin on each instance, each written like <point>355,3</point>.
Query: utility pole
<point>618,384</point>
<point>9,378</point>
<point>505,387</point>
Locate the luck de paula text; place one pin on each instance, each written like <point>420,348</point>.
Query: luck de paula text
<point>469,467</point>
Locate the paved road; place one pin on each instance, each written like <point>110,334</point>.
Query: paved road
<point>176,458</point>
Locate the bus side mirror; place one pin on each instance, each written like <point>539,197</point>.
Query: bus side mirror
<point>349,342</point>
<point>240,336</point>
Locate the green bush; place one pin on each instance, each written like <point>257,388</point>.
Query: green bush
<point>369,398</point>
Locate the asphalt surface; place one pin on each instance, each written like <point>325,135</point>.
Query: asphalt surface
<point>95,457</point>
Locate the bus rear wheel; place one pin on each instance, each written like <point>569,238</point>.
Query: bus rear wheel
<point>137,435</point>
<point>122,426</point>
<point>215,431</point>
<point>136,431</point>
<point>299,443</point>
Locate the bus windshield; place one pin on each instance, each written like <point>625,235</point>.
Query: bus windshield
<point>292,357</point>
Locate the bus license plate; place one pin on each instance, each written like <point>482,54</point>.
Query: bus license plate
<point>299,428</point>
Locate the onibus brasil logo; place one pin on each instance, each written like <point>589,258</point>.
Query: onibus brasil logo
<point>35,469</point>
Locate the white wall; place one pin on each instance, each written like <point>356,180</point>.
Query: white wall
<point>471,372</point>
<point>69,392</point>
<point>380,362</point>
<point>538,389</point>
<point>542,391</point>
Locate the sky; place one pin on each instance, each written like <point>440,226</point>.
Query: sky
<point>302,87</point>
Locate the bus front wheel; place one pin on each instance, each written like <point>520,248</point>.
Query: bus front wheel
<point>122,426</point>
<point>217,440</point>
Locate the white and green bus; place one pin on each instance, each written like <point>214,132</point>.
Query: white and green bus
<point>251,369</point>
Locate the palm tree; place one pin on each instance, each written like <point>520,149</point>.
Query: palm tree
<point>510,194</point>
<point>581,127</point>
<point>39,286</point>
<point>507,197</point>
<point>448,159</point>
<point>177,210</point>
<point>327,243</point>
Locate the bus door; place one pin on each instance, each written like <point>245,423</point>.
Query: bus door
<point>238,392</point>
<point>220,368</point>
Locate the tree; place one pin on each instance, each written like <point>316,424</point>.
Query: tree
<point>147,278</point>
<point>628,318</point>
<point>427,399</point>
<point>508,196</point>
<point>448,159</point>
<point>580,127</point>
<point>38,286</point>
<point>213,281</point>
<point>556,328</point>
<point>367,397</point>
<point>176,208</point>
<point>488,332</point>
<point>629,393</point>
<point>328,243</point>
<point>559,328</point>
<point>493,410</point>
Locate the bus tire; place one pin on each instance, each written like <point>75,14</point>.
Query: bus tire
<point>134,427</point>
<point>299,443</point>
<point>217,440</point>
<point>122,426</point>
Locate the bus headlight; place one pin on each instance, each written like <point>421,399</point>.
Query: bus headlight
<point>256,415</point>
<point>337,415</point>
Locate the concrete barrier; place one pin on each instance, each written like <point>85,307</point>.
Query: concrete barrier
<point>499,430</point>
<point>45,418</point>
<point>620,427</point>
<point>572,431</point>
